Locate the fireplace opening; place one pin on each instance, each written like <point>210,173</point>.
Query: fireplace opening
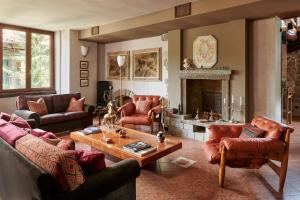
<point>204,95</point>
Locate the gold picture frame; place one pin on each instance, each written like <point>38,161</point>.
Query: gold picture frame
<point>84,64</point>
<point>113,69</point>
<point>147,64</point>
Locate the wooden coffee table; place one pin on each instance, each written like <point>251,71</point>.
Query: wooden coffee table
<point>98,142</point>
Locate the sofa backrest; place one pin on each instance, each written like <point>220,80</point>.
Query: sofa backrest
<point>61,101</point>
<point>55,102</point>
<point>273,129</point>
<point>155,99</point>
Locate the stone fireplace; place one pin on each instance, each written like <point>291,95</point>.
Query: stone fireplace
<point>205,90</point>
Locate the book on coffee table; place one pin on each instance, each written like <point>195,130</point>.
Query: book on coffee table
<point>90,130</point>
<point>139,148</point>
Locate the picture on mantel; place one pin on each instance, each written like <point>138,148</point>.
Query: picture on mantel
<point>113,69</point>
<point>147,64</point>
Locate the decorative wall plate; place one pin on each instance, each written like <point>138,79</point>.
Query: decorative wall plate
<point>205,51</point>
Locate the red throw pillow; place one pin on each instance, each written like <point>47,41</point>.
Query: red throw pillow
<point>5,116</point>
<point>76,105</point>
<point>38,132</point>
<point>10,133</point>
<point>38,106</point>
<point>67,144</point>
<point>19,121</point>
<point>91,161</point>
<point>251,131</point>
<point>142,107</point>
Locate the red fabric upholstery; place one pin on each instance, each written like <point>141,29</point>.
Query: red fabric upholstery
<point>143,107</point>
<point>21,102</point>
<point>5,116</point>
<point>127,109</point>
<point>10,133</point>
<point>52,118</point>
<point>253,145</point>
<point>19,122</point>
<point>137,119</point>
<point>91,161</point>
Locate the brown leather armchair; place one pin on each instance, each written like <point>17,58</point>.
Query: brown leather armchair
<point>130,116</point>
<point>224,147</point>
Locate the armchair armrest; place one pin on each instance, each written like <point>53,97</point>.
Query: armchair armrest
<point>155,110</point>
<point>127,109</point>
<point>109,179</point>
<point>27,114</point>
<point>217,132</point>
<point>253,145</point>
<point>89,108</point>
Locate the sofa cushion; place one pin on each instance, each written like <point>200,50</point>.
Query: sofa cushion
<point>10,133</point>
<point>19,121</point>
<point>66,144</point>
<point>212,153</point>
<point>62,165</point>
<point>61,101</point>
<point>5,116</point>
<point>153,98</point>
<point>75,115</point>
<point>37,132</point>
<point>143,107</point>
<point>250,131</point>
<point>76,105</point>
<point>21,102</point>
<point>38,106</point>
<point>91,161</point>
<point>52,118</point>
<point>136,119</point>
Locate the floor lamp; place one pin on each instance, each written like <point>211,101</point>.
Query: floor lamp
<point>121,61</point>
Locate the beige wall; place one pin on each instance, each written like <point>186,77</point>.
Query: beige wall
<point>8,105</point>
<point>75,58</point>
<point>231,37</point>
<point>264,68</point>
<point>137,86</point>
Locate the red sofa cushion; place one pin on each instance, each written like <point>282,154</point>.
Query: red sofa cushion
<point>136,119</point>
<point>19,121</point>
<point>91,161</point>
<point>10,133</point>
<point>62,165</point>
<point>76,105</point>
<point>143,107</point>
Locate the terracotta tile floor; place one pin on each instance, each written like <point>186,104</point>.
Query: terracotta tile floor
<point>165,181</point>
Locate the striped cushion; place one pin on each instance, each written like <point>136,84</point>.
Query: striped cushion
<point>38,106</point>
<point>252,132</point>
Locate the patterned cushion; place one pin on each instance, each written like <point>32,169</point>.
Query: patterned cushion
<point>61,101</point>
<point>67,144</point>
<point>76,105</point>
<point>10,133</point>
<point>91,161</point>
<point>38,106</point>
<point>143,107</point>
<point>62,165</point>
<point>5,116</point>
<point>251,132</point>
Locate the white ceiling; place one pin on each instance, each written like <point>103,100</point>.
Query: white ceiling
<point>76,14</point>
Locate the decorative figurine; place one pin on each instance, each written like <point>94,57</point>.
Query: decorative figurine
<point>110,117</point>
<point>187,64</point>
<point>122,133</point>
<point>160,136</point>
<point>211,116</point>
<point>197,114</point>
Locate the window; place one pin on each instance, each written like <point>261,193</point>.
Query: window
<point>26,61</point>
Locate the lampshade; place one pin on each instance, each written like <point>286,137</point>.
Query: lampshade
<point>84,50</point>
<point>121,60</point>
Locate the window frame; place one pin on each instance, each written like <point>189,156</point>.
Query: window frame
<point>28,89</point>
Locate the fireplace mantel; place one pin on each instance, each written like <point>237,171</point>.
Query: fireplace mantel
<point>211,74</point>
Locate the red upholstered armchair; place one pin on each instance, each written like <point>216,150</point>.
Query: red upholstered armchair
<point>226,148</point>
<point>143,110</point>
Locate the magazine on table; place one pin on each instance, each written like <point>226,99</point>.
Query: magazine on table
<point>139,148</point>
<point>90,130</point>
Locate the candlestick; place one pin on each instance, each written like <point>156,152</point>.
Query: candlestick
<point>241,101</point>
<point>224,101</point>
<point>232,99</point>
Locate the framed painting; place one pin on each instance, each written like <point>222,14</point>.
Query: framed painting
<point>84,82</point>
<point>147,64</point>
<point>84,64</point>
<point>84,73</point>
<point>113,69</point>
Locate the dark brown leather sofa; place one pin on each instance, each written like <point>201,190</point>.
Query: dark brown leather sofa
<point>58,120</point>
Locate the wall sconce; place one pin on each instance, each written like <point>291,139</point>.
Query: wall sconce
<point>84,50</point>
